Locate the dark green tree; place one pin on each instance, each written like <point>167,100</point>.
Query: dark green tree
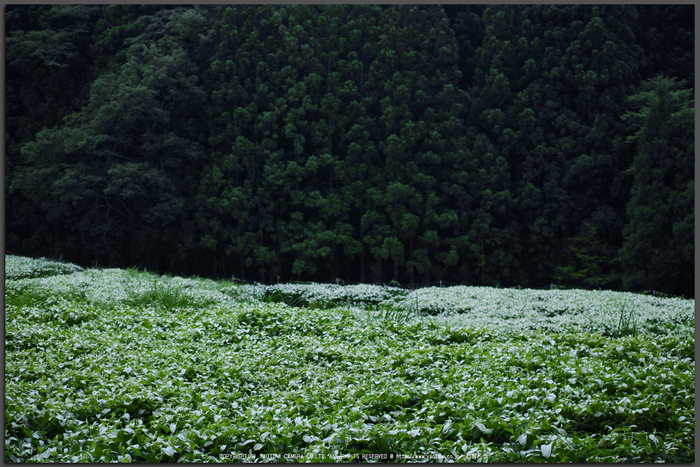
<point>666,32</point>
<point>469,31</point>
<point>549,92</point>
<point>117,174</point>
<point>414,102</point>
<point>239,192</point>
<point>587,269</point>
<point>658,250</point>
<point>48,72</point>
<point>492,244</point>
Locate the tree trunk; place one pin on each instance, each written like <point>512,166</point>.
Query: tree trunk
<point>410,249</point>
<point>334,262</point>
<point>362,265</point>
<point>223,261</point>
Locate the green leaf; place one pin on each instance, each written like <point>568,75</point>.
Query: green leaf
<point>483,428</point>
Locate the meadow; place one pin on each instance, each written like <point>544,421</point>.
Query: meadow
<point>105,365</point>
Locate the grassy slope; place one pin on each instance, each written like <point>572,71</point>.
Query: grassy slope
<point>121,365</point>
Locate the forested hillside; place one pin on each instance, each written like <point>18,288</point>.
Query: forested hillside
<point>496,145</point>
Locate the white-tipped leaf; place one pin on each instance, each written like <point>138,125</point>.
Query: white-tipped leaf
<point>483,428</point>
<point>546,450</point>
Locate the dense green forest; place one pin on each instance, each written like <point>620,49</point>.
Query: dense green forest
<point>496,145</point>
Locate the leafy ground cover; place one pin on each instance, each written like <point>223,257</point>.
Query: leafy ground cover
<point>121,365</point>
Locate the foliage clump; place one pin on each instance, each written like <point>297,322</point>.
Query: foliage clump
<point>21,267</point>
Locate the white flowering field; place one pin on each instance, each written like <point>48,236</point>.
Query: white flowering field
<point>105,365</point>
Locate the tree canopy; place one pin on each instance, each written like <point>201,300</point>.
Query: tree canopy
<point>497,145</point>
